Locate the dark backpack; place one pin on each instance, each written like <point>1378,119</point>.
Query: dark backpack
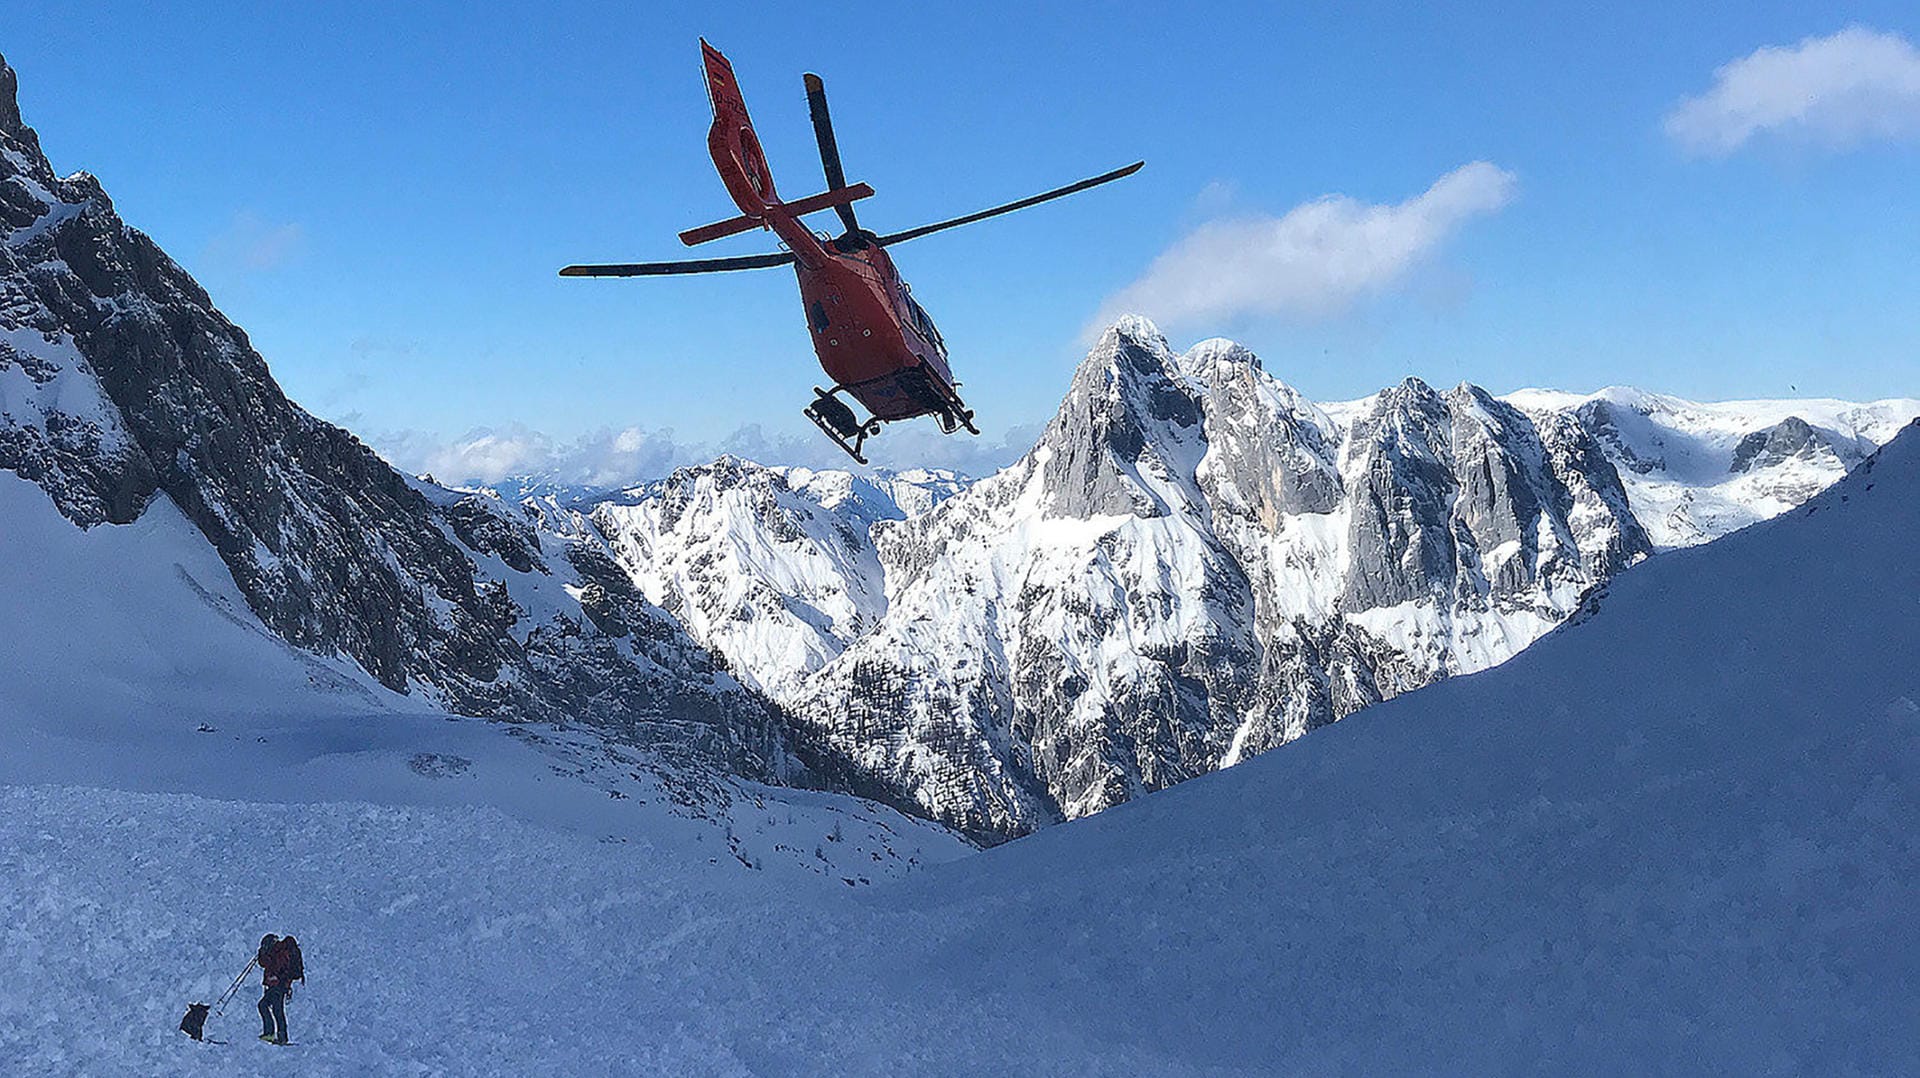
<point>296,969</point>
<point>195,1023</point>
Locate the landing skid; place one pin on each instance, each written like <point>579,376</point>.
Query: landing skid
<point>837,421</point>
<point>956,420</point>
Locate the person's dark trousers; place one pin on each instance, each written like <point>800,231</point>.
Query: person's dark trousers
<point>273,1012</point>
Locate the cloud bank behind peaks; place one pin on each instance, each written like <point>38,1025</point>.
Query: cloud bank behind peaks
<point>615,459</point>
<point>1837,91</point>
<point>1315,261</point>
<point>488,455</point>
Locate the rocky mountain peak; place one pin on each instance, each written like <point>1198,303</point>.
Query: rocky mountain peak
<point>1410,395</point>
<point>1139,329</point>
<point>1130,369</point>
<point>1116,440</point>
<point>1408,419</point>
<point>726,472</point>
<point>1467,395</point>
<point>10,122</point>
<point>1131,352</point>
<point>1791,437</point>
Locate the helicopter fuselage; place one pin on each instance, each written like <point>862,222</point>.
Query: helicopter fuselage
<point>871,337</point>
<point>867,330</point>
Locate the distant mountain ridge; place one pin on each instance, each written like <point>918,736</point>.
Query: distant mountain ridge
<point>1195,563</point>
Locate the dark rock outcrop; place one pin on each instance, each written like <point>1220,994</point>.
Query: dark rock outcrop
<point>121,382</point>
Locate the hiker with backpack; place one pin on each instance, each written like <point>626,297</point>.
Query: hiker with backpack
<point>280,966</point>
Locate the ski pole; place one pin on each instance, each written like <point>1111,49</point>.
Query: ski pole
<point>235,986</point>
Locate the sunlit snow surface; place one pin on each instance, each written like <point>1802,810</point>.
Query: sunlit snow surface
<point>1676,835</point>
<point>1676,456</point>
<point>773,567</point>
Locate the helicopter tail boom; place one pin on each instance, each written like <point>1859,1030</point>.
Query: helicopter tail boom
<point>735,148</point>
<point>742,164</point>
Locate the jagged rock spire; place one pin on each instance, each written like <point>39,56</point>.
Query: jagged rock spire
<point>10,122</point>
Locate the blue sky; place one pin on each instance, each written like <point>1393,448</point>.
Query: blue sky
<point>382,198</point>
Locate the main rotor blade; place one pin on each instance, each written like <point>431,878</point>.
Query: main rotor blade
<point>829,149</point>
<point>1058,192</point>
<point>661,269</point>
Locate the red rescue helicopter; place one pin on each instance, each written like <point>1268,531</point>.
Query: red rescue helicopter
<point>873,339</point>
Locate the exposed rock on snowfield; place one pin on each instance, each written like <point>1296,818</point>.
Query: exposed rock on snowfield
<point>121,384</point>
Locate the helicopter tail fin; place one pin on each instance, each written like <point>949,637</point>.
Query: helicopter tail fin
<point>735,148</point>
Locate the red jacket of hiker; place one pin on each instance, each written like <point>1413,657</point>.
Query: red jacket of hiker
<point>276,963</point>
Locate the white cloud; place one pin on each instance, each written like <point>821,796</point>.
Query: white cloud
<point>487,455</point>
<point>1838,91</point>
<point>622,458</point>
<point>1315,261</point>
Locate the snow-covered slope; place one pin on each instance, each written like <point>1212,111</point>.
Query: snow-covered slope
<point>1695,471</point>
<point>144,617</point>
<point>772,567</point>
<point>124,391</point>
<point>165,680</point>
<point>1676,835</point>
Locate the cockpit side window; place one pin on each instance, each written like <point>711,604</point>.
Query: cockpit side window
<point>924,323</point>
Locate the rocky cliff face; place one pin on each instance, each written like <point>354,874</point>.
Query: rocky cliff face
<point>121,383</point>
<point>1196,563</point>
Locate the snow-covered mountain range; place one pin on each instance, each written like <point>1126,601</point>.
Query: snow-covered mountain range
<point>1675,835</point>
<point>1195,564</point>
<point>774,566</point>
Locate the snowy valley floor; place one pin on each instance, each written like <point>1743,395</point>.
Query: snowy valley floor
<point>1678,835</point>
